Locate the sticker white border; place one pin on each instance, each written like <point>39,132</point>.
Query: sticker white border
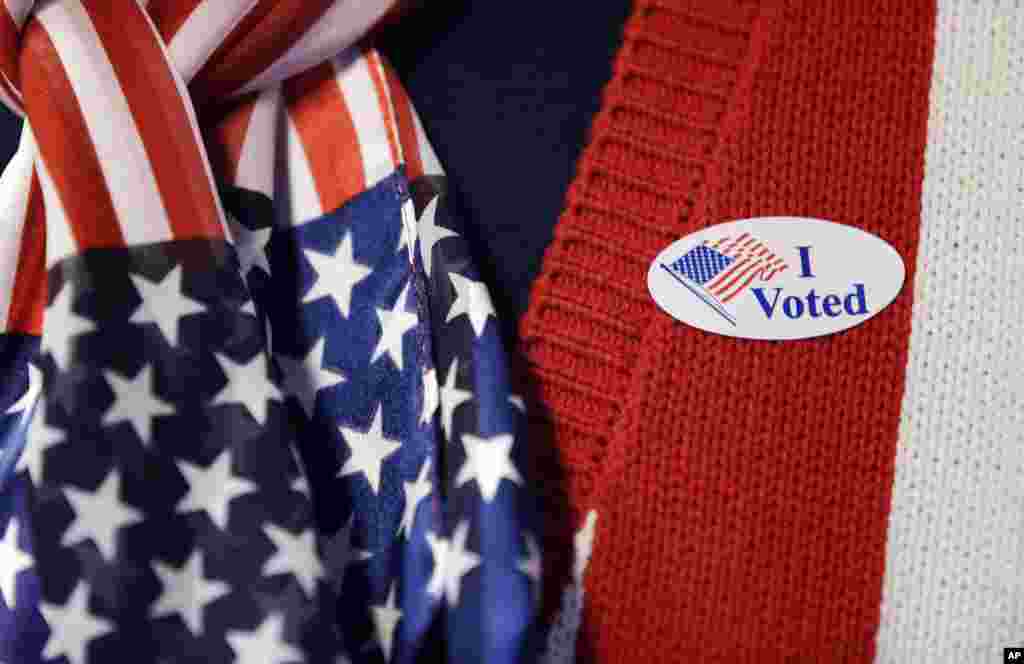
<point>776,278</point>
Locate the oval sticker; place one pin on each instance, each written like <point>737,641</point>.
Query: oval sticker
<point>776,278</point>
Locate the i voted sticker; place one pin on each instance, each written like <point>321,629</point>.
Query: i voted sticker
<point>776,278</point>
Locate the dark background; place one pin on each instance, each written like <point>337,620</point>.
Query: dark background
<point>506,92</point>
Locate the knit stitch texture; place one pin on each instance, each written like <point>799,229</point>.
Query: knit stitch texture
<point>954,581</point>
<point>743,486</point>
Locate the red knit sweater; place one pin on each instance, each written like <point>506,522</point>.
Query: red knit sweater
<point>742,486</point>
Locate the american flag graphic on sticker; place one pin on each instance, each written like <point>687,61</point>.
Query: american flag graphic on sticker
<point>719,271</point>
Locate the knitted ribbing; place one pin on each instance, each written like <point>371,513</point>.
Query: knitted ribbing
<point>674,80</point>
<point>954,581</point>
<point>743,487</point>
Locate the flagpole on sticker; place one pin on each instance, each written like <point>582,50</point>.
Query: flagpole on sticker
<point>706,300</point>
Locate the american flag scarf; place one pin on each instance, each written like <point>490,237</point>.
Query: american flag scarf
<point>270,417</point>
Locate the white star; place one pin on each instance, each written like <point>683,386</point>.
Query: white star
<point>488,462</point>
<point>40,437</point>
<point>295,555</point>
<point>210,489</point>
<point>32,391</point>
<point>414,493</point>
<point>164,303</point>
<point>248,384</point>
<point>337,275</point>
<point>304,378</point>
<point>368,450</point>
<point>439,552</point>
<point>265,644</point>
<point>268,333</point>
<point>13,560</point>
<point>407,238</point>
<point>393,325</point>
<point>452,561</point>
<point>385,619</point>
<point>250,245</point>
<point>187,591</point>
<point>99,515</point>
<point>471,300</point>
<point>451,398</point>
<point>72,626</point>
<point>430,234</point>
<point>62,326</point>
<point>340,553</point>
<point>135,400</point>
<point>430,396</point>
<point>299,484</point>
<point>530,566</point>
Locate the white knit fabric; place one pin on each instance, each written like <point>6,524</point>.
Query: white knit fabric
<point>561,645</point>
<point>954,580</point>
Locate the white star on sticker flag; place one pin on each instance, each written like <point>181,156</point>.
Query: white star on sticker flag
<point>99,515</point>
<point>304,378</point>
<point>295,555</point>
<point>210,489</point>
<point>431,398</point>
<point>451,398</point>
<point>368,450</point>
<point>135,400</point>
<point>72,626</point>
<point>337,275</point>
<point>250,245</point>
<point>471,300</point>
<point>187,591</point>
<point>430,234</point>
<point>265,644</point>
<point>414,493</point>
<point>452,561</point>
<point>13,561</point>
<point>385,620</point>
<point>394,324</point>
<point>248,384</point>
<point>164,303</point>
<point>63,325</point>
<point>488,461</point>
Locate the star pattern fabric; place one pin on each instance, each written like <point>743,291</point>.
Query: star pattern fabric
<point>176,489</point>
<point>152,517</point>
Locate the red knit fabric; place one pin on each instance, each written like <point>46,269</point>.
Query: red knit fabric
<point>742,487</point>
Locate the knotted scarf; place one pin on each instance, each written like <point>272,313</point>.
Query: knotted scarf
<point>270,418</point>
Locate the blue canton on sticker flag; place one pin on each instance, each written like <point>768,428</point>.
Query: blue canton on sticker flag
<point>313,458</point>
<point>701,264</point>
<point>717,272</point>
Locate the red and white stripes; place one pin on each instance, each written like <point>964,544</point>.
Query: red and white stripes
<point>346,125</point>
<point>137,156</point>
<point>22,234</point>
<point>753,260</point>
<point>134,109</point>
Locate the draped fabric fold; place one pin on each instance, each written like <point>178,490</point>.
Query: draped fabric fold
<point>256,404</point>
